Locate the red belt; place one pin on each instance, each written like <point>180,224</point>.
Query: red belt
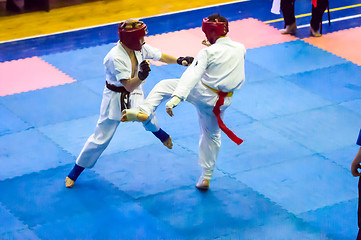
<point>217,112</point>
<point>314,3</point>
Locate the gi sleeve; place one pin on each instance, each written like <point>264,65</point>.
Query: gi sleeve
<point>149,52</point>
<point>192,75</point>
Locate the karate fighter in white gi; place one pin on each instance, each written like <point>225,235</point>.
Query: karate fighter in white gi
<point>208,84</point>
<point>126,69</point>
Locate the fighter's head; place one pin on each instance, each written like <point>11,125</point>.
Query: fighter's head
<point>215,27</point>
<point>131,33</point>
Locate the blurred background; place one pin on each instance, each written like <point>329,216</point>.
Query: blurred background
<point>24,18</point>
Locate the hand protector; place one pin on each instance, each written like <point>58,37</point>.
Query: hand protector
<point>172,103</point>
<point>144,69</point>
<point>188,60</point>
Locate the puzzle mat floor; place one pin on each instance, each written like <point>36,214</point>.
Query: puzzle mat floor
<point>298,112</point>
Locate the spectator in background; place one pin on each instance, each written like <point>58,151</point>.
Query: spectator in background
<point>288,11</point>
<point>27,5</point>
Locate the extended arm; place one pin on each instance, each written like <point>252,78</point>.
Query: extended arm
<point>185,61</point>
<point>189,79</point>
<point>168,59</point>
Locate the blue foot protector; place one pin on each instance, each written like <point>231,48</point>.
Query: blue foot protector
<point>163,136</point>
<point>75,172</point>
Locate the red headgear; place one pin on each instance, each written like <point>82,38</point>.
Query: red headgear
<point>214,30</point>
<point>131,37</point>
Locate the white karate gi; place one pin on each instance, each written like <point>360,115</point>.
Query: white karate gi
<point>117,66</point>
<point>219,66</point>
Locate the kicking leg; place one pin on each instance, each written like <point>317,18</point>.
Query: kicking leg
<point>161,92</point>
<point>144,110</point>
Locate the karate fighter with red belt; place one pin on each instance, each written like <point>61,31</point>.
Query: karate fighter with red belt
<point>208,84</point>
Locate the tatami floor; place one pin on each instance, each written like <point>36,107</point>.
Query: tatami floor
<point>298,112</point>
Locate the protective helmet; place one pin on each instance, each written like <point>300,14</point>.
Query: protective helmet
<point>130,34</point>
<point>214,30</point>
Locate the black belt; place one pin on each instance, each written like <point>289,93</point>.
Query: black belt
<point>116,88</point>
<point>124,95</point>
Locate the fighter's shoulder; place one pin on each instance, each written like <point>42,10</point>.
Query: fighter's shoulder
<point>147,47</point>
<point>204,53</point>
<point>238,44</point>
<point>115,58</point>
<point>117,52</point>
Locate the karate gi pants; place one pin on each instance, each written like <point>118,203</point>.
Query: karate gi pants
<point>204,100</point>
<point>105,129</point>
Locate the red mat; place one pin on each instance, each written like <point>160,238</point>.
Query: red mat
<point>29,74</point>
<point>251,32</point>
<point>345,44</point>
<point>179,43</point>
<point>254,33</point>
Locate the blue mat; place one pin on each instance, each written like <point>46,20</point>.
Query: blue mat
<point>288,183</point>
<point>63,103</point>
<point>337,220</point>
<point>10,122</point>
<point>83,64</point>
<point>128,221</point>
<point>292,57</point>
<point>149,170</point>
<point>9,223</point>
<point>72,135</point>
<point>338,83</point>
<point>343,156</point>
<point>322,129</point>
<point>29,151</point>
<point>255,72</point>
<point>39,198</point>
<point>353,106</point>
<point>262,147</point>
<point>274,98</point>
<point>229,210</point>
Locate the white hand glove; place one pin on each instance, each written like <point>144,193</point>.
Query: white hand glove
<point>173,102</point>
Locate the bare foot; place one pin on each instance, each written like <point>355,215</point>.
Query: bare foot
<point>124,116</point>
<point>203,184</point>
<point>168,143</point>
<point>68,182</point>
